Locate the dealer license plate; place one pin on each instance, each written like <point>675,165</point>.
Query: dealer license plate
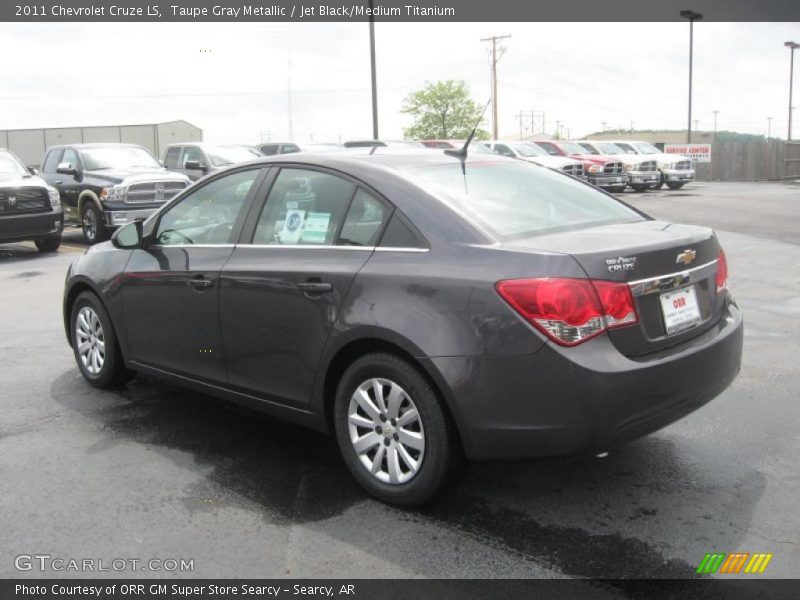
<point>680,309</point>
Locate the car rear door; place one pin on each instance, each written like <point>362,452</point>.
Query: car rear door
<point>170,288</point>
<point>282,288</point>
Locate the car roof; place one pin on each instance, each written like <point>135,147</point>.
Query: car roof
<point>88,145</point>
<point>209,144</point>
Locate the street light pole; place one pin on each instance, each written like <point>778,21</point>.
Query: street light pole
<point>791,46</point>
<point>373,72</point>
<point>716,112</point>
<point>692,16</point>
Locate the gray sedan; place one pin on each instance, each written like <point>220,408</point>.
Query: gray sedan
<point>425,308</point>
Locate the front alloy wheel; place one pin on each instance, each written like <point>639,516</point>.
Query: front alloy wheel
<point>91,341</point>
<point>386,431</point>
<point>94,229</point>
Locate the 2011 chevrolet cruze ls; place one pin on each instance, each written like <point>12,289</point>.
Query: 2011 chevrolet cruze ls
<point>424,307</point>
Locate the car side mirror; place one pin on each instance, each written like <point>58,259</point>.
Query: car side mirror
<point>33,170</point>
<point>195,165</point>
<point>67,169</point>
<point>129,236</point>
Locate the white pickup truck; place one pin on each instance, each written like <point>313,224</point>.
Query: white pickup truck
<point>642,171</point>
<point>676,170</point>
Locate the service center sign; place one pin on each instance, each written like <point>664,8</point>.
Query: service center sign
<point>700,153</point>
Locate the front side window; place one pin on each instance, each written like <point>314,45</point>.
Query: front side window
<point>645,148</point>
<point>549,148</point>
<point>304,207</point>
<point>172,157</point>
<point>589,148</point>
<point>207,215</point>
<point>193,154</point>
<point>503,150</point>
<point>609,148</point>
<point>71,158</point>
<point>527,150</point>
<point>514,200</point>
<point>51,162</point>
<point>572,148</point>
<point>289,149</point>
<point>221,156</point>
<point>627,148</point>
<point>269,149</point>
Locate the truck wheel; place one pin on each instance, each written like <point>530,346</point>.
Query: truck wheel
<point>94,229</point>
<point>48,244</point>
<point>675,185</point>
<point>660,183</point>
<point>640,188</point>
<point>393,432</point>
<point>617,189</point>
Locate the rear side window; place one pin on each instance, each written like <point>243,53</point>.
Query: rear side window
<point>289,149</point>
<point>503,150</point>
<point>364,220</point>
<point>51,162</point>
<point>269,149</point>
<point>517,199</point>
<point>304,207</point>
<point>171,159</point>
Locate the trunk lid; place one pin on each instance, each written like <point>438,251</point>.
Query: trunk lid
<point>645,255</point>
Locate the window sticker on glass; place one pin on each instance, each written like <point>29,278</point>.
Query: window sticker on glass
<point>292,226</point>
<point>316,229</point>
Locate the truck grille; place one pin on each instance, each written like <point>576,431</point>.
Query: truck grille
<point>613,168</point>
<point>574,170</point>
<point>23,200</point>
<point>648,165</point>
<point>150,192</point>
<point>683,165</point>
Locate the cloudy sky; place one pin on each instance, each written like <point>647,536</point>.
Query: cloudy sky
<point>232,79</point>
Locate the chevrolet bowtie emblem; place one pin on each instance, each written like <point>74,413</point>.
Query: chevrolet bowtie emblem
<point>686,257</point>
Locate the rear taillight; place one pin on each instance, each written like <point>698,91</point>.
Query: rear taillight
<point>570,311</point>
<point>722,271</point>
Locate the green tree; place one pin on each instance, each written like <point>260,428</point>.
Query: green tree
<point>443,110</point>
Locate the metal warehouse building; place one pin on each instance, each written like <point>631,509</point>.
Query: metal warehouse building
<point>30,144</point>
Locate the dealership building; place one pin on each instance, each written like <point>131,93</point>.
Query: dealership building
<point>30,144</point>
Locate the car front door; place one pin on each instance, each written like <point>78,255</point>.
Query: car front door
<point>69,186</point>
<point>280,293</point>
<point>170,288</point>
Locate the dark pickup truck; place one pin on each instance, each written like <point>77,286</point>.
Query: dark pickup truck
<point>29,208</point>
<point>103,186</point>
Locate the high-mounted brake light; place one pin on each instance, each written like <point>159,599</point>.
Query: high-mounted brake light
<point>722,271</point>
<point>570,311</point>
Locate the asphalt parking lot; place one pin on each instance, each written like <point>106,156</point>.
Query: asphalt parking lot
<point>153,471</point>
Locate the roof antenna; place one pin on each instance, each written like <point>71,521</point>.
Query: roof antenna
<point>462,152</point>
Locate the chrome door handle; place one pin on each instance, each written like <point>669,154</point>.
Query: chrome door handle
<point>315,287</point>
<point>200,283</point>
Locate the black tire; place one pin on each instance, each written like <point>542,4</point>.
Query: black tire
<point>94,228</point>
<point>442,459</point>
<point>48,244</point>
<point>640,188</point>
<point>617,189</point>
<point>675,185</point>
<point>660,183</point>
<point>113,372</point>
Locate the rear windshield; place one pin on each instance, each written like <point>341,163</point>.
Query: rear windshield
<point>512,199</point>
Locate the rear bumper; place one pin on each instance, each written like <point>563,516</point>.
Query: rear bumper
<point>608,180</point>
<point>20,228</point>
<point>586,399</point>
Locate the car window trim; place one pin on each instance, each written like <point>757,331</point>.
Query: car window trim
<point>191,190</point>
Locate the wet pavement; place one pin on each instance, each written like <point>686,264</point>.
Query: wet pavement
<point>155,471</point>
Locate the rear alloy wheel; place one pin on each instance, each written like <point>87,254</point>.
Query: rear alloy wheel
<point>95,344</point>
<point>660,183</point>
<point>48,244</point>
<point>675,185</point>
<point>94,229</point>
<point>392,431</point>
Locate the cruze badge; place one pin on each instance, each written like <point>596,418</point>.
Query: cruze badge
<point>685,257</point>
<point>621,263</point>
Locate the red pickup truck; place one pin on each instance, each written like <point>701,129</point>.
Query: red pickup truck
<point>601,171</point>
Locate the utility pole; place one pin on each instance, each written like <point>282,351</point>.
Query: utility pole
<point>791,46</point>
<point>373,72</point>
<point>769,127</point>
<point>495,57</point>
<point>558,125</point>
<point>716,112</point>
<point>289,107</point>
<point>604,126</point>
<point>696,121</point>
<point>692,16</point>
